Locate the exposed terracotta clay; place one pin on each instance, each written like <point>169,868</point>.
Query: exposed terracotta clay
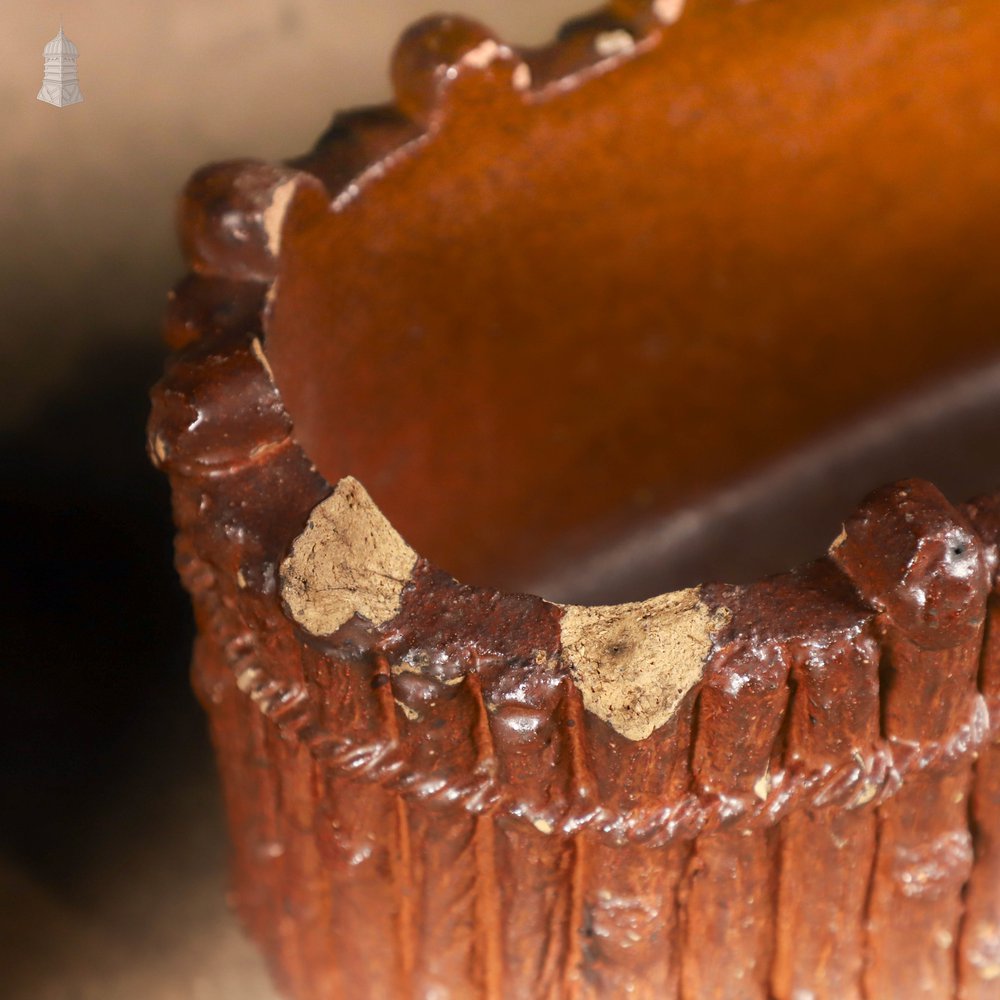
<point>348,560</point>
<point>545,296</point>
<point>634,663</point>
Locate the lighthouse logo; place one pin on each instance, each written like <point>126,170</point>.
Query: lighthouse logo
<point>60,86</point>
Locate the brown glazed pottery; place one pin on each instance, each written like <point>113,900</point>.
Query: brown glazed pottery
<point>473,340</point>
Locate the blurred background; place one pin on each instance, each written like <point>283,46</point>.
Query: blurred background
<point>112,852</point>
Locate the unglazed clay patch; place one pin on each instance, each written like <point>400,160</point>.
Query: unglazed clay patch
<point>613,43</point>
<point>348,560</point>
<point>258,352</point>
<point>668,11</point>
<point>274,214</point>
<point>633,663</point>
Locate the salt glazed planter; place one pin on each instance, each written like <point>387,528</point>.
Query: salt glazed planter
<point>546,296</point>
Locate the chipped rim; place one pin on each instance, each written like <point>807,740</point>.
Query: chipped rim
<point>235,240</point>
<point>677,636</point>
<point>349,560</point>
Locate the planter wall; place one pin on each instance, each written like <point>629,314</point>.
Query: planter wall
<point>544,297</point>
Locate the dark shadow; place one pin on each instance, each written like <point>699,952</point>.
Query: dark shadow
<point>96,629</point>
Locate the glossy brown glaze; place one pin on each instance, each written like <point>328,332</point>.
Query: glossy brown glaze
<point>747,196</point>
<point>444,760</point>
<point>546,294</point>
<point>920,562</point>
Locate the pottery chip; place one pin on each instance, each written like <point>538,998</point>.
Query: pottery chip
<point>668,11</point>
<point>633,663</point>
<point>613,43</point>
<point>274,214</point>
<point>257,349</point>
<point>348,560</point>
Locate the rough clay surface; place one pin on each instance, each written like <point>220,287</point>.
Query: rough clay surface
<point>349,559</point>
<point>633,663</point>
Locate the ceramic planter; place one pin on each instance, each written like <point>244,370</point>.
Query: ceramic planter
<point>475,337</point>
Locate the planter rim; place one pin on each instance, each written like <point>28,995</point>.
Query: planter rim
<point>220,430</point>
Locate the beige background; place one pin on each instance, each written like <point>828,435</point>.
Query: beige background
<point>86,192</point>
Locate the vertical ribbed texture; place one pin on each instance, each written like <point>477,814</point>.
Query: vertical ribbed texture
<point>231,720</point>
<point>402,858</point>
<point>573,986</point>
<point>924,843</point>
<point>353,781</point>
<point>920,563</point>
<point>280,850</point>
<point>826,856</point>
<point>534,867</point>
<point>314,903</point>
<point>731,878</point>
<point>535,879</point>
<point>359,845</point>
<point>584,794</point>
<point>488,944</point>
<point>263,848</point>
<point>979,958</point>
<point>443,861</point>
<point>526,192</point>
<point>629,925</point>
<point>305,929</point>
<point>407,915</point>
<point>630,941</point>
<point>359,836</point>
<point>444,875</point>
<point>445,871</point>
<point>979,948</point>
